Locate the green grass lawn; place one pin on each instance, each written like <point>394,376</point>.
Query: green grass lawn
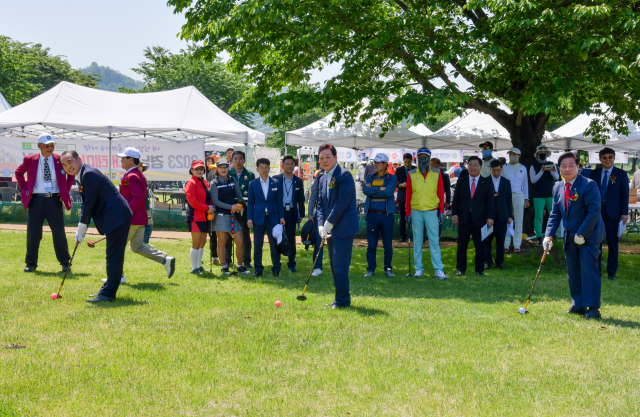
<point>194,346</point>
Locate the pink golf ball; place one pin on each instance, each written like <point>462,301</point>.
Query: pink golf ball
<point>278,303</point>
<point>54,296</point>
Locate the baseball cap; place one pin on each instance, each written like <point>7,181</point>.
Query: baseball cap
<point>515,150</point>
<point>45,139</point>
<point>130,152</point>
<point>197,164</point>
<point>424,151</point>
<point>487,144</point>
<point>381,158</point>
<point>222,161</point>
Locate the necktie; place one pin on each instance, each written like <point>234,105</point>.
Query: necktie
<point>47,171</point>
<point>603,186</point>
<point>567,192</point>
<point>473,187</point>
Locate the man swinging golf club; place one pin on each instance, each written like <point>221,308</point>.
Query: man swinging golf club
<point>424,207</point>
<point>576,201</point>
<point>110,213</point>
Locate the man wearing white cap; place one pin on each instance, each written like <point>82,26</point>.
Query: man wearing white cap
<point>516,173</point>
<point>43,192</point>
<point>133,187</point>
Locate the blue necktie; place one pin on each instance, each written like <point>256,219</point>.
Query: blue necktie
<point>603,186</point>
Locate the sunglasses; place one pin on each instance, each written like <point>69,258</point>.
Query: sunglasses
<point>607,157</point>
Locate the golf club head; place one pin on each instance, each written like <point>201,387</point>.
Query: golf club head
<point>91,244</point>
<point>409,274</point>
<point>301,297</point>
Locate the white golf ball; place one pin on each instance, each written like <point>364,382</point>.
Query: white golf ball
<point>522,310</point>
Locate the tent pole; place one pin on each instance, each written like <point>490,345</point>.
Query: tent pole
<point>110,153</point>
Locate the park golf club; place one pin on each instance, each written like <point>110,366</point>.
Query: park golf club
<point>57,295</point>
<point>303,297</point>
<point>523,310</point>
<point>92,244</point>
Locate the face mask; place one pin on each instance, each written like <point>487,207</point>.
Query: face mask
<point>486,153</point>
<point>514,159</point>
<point>542,156</point>
<point>423,162</point>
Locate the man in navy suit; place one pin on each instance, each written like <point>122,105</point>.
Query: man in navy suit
<point>503,202</point>
<point>293,201</point>
<point>614,196</point>
<point>337,213</point>
<point>111,214</point>
<point>576,201</point>
<point>264,211</point>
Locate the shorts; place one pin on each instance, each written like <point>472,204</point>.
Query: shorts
<point>222,223</point>
<point>203,227</point>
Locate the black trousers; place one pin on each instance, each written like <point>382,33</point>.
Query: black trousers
<point>499,233</point>
<point>50,208</point>
<point>464,232</point>
<point>403,222</point>
<point>258,233</point>
<point>246,239</point>
<point>611,229</point>
<point>116,245</point>
<point>290,222</point>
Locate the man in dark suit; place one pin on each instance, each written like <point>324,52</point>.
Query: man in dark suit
<point>503,203</point>
<point>45,190</point>
<point>576,202</point>
<point>401,198</point>
<point>293,201</point>
<point>614,195</point>
<point>111,214</point>
<point>337,213</point>
<point>265,210</point>
<point>473,207</point>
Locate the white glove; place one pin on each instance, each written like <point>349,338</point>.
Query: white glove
<point>82,230</point>
<point>547,243</point>
<point>323,232</point>
<point>328,227</point>
<point>579,240</point>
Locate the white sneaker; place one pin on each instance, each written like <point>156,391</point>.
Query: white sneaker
<point>170,265</point>
<point>440,275</point>
<point>316,272</point>
<point>418,274</point>
<point>123,280</point>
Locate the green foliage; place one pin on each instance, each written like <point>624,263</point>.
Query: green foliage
<point>28,70</point>
<point>540,57</point>
<point>164,70</point>
<point>111,79</point>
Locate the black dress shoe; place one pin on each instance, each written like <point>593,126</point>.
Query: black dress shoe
<point>257,274</point>
<point>459,273</point>
<point>293,270</point>
<point>612,277</point>
<point>248,265</point>
<point>479,274</point>
<point>29,268</point>
<point>573,310</point>
<point>592,314</point>
<point>487,266</point>
<point>402,239</point>
<point>65,268</point>
<point>275,274</point>
<point>99,299</point>
<point>500,267</point>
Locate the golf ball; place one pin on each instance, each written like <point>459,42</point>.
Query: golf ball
<point>278,303</point>
<point>54,296</point>
<point>522,310</point>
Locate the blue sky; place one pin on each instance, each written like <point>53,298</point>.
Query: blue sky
<point>112,33</point>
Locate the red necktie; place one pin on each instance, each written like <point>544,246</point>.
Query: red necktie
<point>567,192</point>
<point>473,187</point>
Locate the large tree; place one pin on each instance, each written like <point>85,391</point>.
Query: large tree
<point>416,59</point>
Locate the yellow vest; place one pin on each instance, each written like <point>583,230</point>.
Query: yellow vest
<point>424,191</point>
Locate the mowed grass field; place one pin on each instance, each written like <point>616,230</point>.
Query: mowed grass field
<point>209,346</point>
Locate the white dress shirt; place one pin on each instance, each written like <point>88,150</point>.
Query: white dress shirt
<point>471,181</point>
<point>265,187</point>
<point>517,175</point>
<point>602,175</point>
<point>496,183</point>
<point>38,188</point>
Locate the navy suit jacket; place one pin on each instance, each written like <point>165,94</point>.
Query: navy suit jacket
<point>477,209</point>
<point>617,194</point>
<point>503,201</point>
<point>297,197</point>
<point>583,216</point>
<point>101,201</point>
<point>273,204</point>
<point>339,208</point>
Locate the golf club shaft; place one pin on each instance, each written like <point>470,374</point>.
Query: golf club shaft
<point>68,268</point>
<point>313,266</point>
<point>97,241</point>
<point>544,255</point>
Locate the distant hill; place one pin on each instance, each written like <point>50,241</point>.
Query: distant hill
<point>111,79</point>
<point>258,124</point>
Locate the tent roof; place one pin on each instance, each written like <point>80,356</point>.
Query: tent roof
<point>360,135</point>
<point>421,130</point>
<point>573,137</point>
<point>3,104</point>
<point>71,111</point>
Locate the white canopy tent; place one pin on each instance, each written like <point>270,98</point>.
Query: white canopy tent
<point>3,104</point>
<point>572,136</point>
<point>74,112</point>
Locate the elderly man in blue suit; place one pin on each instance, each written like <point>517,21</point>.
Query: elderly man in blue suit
<point>614,196</point>
<point>265,210</point>
<point>576,201</point>
<point>337,220</point>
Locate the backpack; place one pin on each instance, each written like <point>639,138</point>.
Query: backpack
<point>308,234</point>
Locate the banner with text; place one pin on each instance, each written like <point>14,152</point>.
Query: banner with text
<point>167,160</point>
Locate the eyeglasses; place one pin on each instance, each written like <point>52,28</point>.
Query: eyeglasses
<point>607,157</point>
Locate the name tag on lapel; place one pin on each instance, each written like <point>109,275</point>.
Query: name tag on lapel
<point>297,188</point>
<point>274,189</point>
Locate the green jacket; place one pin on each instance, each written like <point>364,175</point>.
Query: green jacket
<point>245,178</point>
